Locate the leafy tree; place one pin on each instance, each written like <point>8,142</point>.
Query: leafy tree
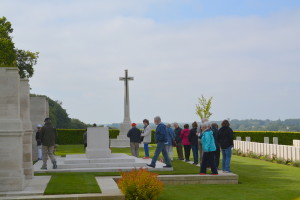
<point>203,108</point>
<point>25,62</point>
<point>7,47</point>
<point>13,57</point>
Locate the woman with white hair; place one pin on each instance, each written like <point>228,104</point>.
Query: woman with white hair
<point>209,148</point>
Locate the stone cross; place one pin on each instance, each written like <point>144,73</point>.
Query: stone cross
<point>126,96</point>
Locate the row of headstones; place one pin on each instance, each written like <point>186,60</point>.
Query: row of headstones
<point>15,131</point>
<point>296,143</point>
<point>280,151</point>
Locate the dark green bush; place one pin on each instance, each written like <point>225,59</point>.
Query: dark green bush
<point>284,138</point>
<point>75,136</point>
<point>70,136</point>
<point>113,133</point>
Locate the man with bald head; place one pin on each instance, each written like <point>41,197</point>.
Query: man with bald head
<point>161,139</point>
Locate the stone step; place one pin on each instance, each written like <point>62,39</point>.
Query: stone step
<point>101,165</point>
<point>95,161</point>
<point>109,169</point>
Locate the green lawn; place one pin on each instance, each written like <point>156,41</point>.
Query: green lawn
<point>257,180</point>
<point>72,183</point>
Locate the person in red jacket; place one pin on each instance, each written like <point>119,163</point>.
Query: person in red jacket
<point>185,142</point>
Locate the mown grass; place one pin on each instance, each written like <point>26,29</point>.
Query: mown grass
<point>72,183</point>
<point>257,180</point>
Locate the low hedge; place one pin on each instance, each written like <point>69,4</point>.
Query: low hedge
<point>75,136</point>
<point>284,138</point>
<point>70,136</point>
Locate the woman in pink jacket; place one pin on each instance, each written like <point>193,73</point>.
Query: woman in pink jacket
<point>185,142</point>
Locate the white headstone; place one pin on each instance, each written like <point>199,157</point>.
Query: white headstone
<point>266,140</point>
<point>297,153</point>
<point>11,131</point>
<point>248,139</point>
<point>98,143</point>
<point>275,140</point>
<point>285,151</point>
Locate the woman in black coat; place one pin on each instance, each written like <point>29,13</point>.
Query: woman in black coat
<point>225,138</point>
<point>193,139</point>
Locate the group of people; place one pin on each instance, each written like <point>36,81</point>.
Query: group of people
<point>45,137</point>
<point>206,143</point>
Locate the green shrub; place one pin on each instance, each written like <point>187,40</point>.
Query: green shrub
<point>113,133</point>
<point>296,163</point>
<point>284,138</point>
<point>75,136</point>
<point>268,158</point>
<point>140,184</point>
<point>281,161</point>
<point>70,136</point>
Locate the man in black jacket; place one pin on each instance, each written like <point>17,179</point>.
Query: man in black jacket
<point>135,139</point>
<point>178,141</point>
<point>225,138</point>
<point>48,138</point>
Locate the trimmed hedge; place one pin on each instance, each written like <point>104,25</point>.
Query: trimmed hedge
<point>75,136</point>
<point>284,138</point>
<point>70,136</point>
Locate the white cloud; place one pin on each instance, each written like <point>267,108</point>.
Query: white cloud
<point>249,64</point>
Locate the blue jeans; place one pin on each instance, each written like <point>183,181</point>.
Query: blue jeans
<point>195,153</point>
<point>161,147</point>
<point>146,149</point>
<point>226,153</point>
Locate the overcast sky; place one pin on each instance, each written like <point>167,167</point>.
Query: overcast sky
<point>244,53</point>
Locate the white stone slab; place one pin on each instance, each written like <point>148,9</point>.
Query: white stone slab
<point>266,140</point>
<point>297,153</point>
<point>98,143</point>
<point>137,163</point>
<point>11,131</point>
<point>34,186</point>
<point>275,140</point>
<point>285,152</point>
<point>27,127</point>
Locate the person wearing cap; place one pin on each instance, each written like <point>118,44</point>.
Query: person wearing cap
<point>38,141</point>
<point>134,135</point>
<point>48,138</point>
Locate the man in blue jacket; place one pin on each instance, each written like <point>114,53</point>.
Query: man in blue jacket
<point>161,139</point>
